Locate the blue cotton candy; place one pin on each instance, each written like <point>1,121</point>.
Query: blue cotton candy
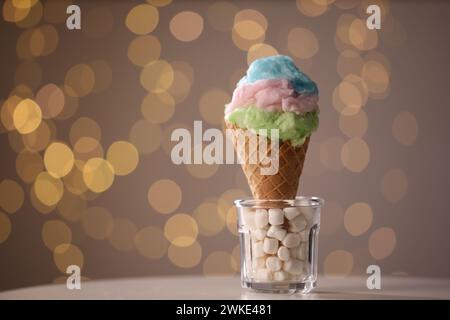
<point>280,67</point>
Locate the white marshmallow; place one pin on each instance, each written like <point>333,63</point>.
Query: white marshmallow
<point>290,213</point>
<point>273,263</point>
<point>283,253</point>
<point>270,245</point>
<point>276,217</point>
<point>293,266</point>
<point>261,218</point>
<point>304,235</point>
<point>258,263</point>
<point>297,224</point>
<point>299,252</point>
<point>276,232</point>
<point>248,218</point>
<point>260,234</point>
<point>291,240</point>
<point>280,276</point>
<point>263,275</point>
<point>308,213</point>
<point>258,249</point>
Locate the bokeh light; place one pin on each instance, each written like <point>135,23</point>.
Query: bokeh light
<point>382,243</point>
<point>354,125</point>
<point>358,218</point>
<point>405,128</point>
<point>79,80</point>
<point>142,19</point>
<point>98,174</point>
<point>84,127</point>
<point>97,222</point>
<point>185,257</point>
<point>55,233</point>
<point>349,62</point>
<point>151,243</point>
<point>186,26</point>
<point>40,138</point>
<point>164,196</point>
<point>376,77</point>
<point>5,227</point>
<point>249,28</point>
<point>394,185</point>
<point>74,181</point>
<point>28,165</point>
<point>210,221</point>
<point>11,196</point>
<point>144,49</point>
<point>260,50</point>
<point>51,99</point>
<point>338,263</point>
<point>48,189</point>
<point>211,105</point>
<point>302,43</point>
<point>66,255</point>
<point>160,3</point>
<point>146,136</point>
<point>58,159</point>
<point>123,234</point>
<point>71,207</point>
<point>158,107</point>
<point>123,157</point>
<point>38,205</point>
<point>157,76</point>
<point>183,79</point>
<point>355,155</point>
<point>202,171</point>
<point>27,116</point>
<point>181,230</point>
<point>312,8</point>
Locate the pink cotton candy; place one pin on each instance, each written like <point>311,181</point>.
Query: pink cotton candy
<point>271,95</point>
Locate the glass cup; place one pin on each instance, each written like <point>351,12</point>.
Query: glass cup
<point>279,241</point>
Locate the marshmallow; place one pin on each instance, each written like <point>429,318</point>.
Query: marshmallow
<point>248,218</point>
<point>258,249</point>
<point>291,213</point>
<point>260,234</point>
<point>263,275</point>
<point>273,263</point>
<point>293,266</point>
<point>276,232</point>
<point>283,253</point>
<point>299,252</point>
<point>270,245</point>
<point>261,218</point>
<point>276,217</point>
<point>258,263</point>
<point>308,213</point>
<point>291,240</point>
<point>297,224</point>
<point>280,276</point>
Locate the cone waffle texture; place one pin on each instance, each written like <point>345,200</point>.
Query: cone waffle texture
<point>283,184</point>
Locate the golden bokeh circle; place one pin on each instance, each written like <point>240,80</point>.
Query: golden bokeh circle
<point>58,159</point>
<point>358,218</point>
<point>202,171</point>
<point>405,128</point>
<point>97,222</point>
<point>376,76</point>
<point>382,243</point>
<point>164,196</point>
<point>158,107</point>
<point>302,43</point>
<point>74,181</point>
<point>348,98</point>
<point>40,138</point>
<point>355,155</point>
<point>157,76</point>
<point>249,28</point>
<point>394,185</point>
<point>48,189</point>
<point>70,107</point>
<point>55,233</point>
<point>329,153</point>
<point>79,80</point>
<point>51,99</point>
<point>346,4</point>
<point>5,227</point>
<point>123,234</point>
<point>38,205</point>
<point>71,206</point>
<point>260,50</point>
<point>98,174</point>
<point>27,116</point>
<point>144,49</point>
<point>33,17</point>
<point>28,165</point>
<point>84,127</point>
<point>140,133</point>
<point>123,156</point>
<point>312,8</point>
<point>354,125</point>
<point>159,3</point>
<point>338,263</point>
<point>218,263</point>
<point>142,19</point>
<point>7,111</point>
<point>183,79</point>
<point>185,257</point>
<point>65,255</point>
<point>226,200</point>
<point>86,148</point>
<point>186,26</point>
<point>11,196</point>
<point>15,13</point>
<point>181,230</point>
<point>151,243</point>
<point>211,105</point>
<point>210,221</point>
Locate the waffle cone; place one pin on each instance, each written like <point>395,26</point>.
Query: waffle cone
<point>283,184</point>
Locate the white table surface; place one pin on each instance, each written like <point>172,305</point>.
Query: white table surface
<point>198,287</point>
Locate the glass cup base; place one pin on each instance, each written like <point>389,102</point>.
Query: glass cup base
<point>280,287</point>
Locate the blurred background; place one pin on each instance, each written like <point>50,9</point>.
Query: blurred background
<point>86,117</point>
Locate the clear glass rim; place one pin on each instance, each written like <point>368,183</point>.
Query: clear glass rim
<point>301,201</point>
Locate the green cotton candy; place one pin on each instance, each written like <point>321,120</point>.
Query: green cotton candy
<point>292,127</point>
